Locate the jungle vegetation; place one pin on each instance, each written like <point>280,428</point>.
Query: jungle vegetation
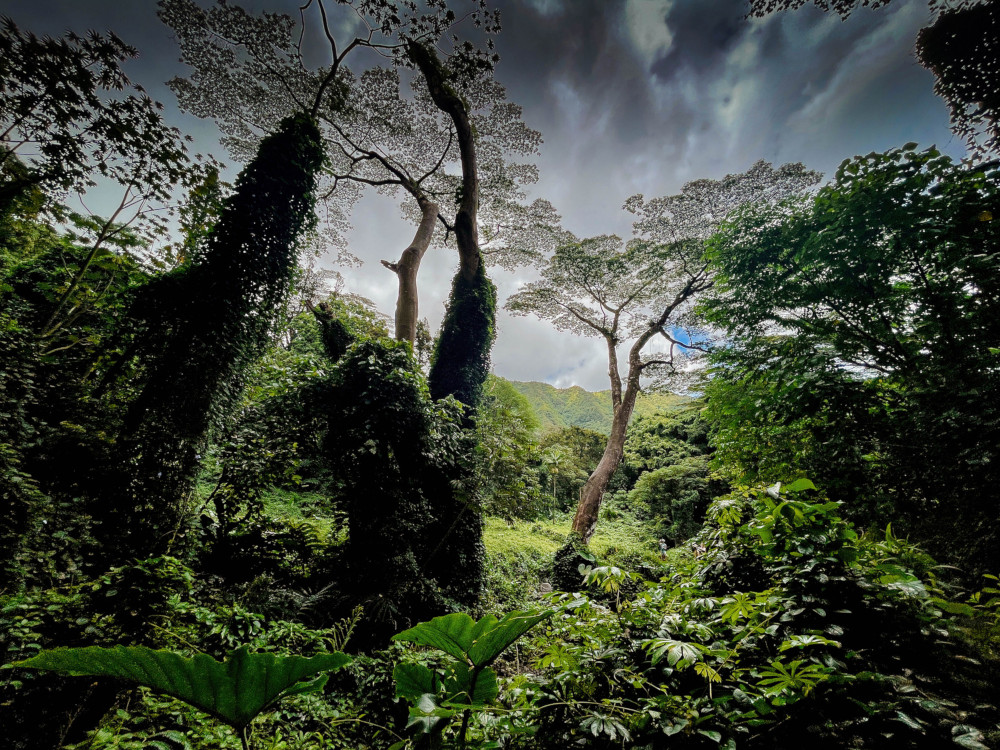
<point>239,510</point>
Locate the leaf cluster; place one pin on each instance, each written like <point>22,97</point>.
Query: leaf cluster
<point>861,327</point>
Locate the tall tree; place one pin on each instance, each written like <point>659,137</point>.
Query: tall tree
<point>864,323</point>
<point>202,325</point>
<point>643,290</point>
<point>377,136</point>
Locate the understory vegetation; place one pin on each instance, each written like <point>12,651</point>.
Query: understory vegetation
<point>237,510</point>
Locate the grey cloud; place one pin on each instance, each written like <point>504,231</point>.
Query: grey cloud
<point>722,93</point>
<point>703,32</point>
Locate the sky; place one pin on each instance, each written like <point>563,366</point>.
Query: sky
<point>631,96</point>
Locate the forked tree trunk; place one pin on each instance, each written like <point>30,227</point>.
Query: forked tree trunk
<point>585,520</point>
<point>407,308</point>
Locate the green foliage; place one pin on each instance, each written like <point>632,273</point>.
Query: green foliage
<point>234,691</point>
<point>665,437</point>
<point>560,408</point>
<point>468,681</point>
<point>892,382</point>
<point>568,456</point>
<point>987,599</point>
<point>47,426</point>
<point>203,325</point>
<point>277,437</point>
<point>676,497</point>
<point>960,49</point>
<point>461,360</point>
<point>784,624</point>
<point>524,537</point>
<point>571,561</point>
<point>530,547</point>
<point>413,543</point>
<point>62,106</point>
<point>666,472</point>
<point>505,448</point>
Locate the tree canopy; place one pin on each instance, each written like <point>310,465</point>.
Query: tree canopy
<point>632,293</point>
<point>250,71</point>
<point>872,306</point>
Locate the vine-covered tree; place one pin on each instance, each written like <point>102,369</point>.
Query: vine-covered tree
<point>643,290</point>
<point>200,327</point>
<point>376,137</point>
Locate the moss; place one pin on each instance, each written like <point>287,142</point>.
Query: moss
<point>461,360</point>
<point>626,541</point>
<point>524,537</point>
<point>198,329</point>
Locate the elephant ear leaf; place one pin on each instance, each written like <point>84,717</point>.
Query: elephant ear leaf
<point>233,691</point>
<point>497,636</point>
<point>449,633</point>
<point>413,681</point>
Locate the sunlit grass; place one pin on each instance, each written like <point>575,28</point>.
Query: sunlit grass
<point>622,541</point>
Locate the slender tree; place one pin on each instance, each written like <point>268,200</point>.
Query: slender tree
<point>637,292</point>
<point>377,135</point>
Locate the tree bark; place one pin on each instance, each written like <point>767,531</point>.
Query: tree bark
<point>585,520</point>
<point>407,308</point>
<point>449,102</point>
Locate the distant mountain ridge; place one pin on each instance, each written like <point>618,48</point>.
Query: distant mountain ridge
<point>558,408</point>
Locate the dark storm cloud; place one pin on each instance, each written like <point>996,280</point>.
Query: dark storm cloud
<point>576,46</point>
<point>695,90</point>
<point>702,32</point>
<point>631,96</point>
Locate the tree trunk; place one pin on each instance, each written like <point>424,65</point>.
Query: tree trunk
<point>449,102</point>
<point>460,364</point>
<point>406,271</point>
<point>585,520</point>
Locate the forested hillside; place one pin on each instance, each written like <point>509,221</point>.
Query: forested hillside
<point>244,507</point>
<point>559,408</point>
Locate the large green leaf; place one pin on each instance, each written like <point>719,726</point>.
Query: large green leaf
<point>459,688</point>
<point>800,484</point>
<point>413,681</point>
<point>491,641</point>
<point>427,714</point>
<point>476,643</point>
<point>233,691</point>
<point>450,633</point>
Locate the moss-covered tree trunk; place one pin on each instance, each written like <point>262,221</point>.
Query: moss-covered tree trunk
<point>203,325</point>
<point>461,360</point>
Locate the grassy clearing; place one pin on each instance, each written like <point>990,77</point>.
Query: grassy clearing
<point>623,541</point>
